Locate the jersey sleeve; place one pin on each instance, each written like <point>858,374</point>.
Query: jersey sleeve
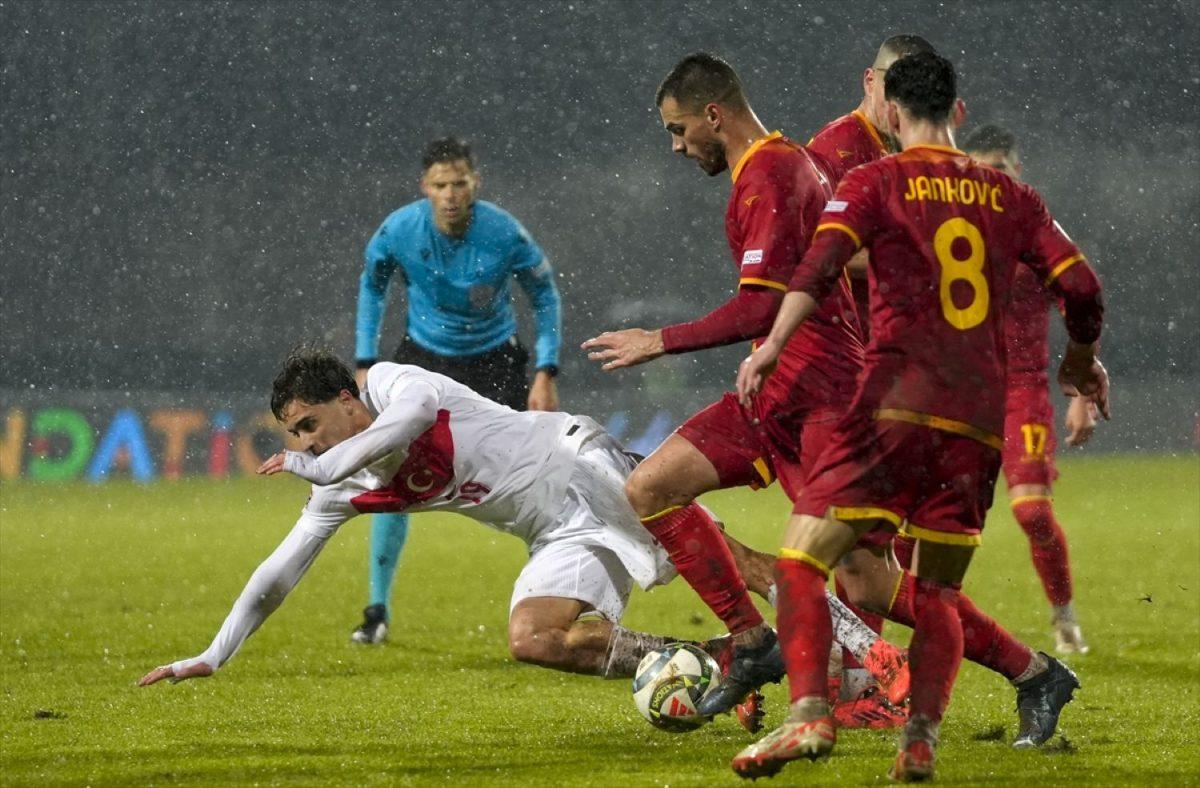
<point>1064,270</point>
<point>525,252</point>
<point>264,593</point>
<point>770,213</point>
<point>1049,251</point>
<point>411,409</point>
<point>854,209</point>
<point>378,267</point>
<point>846,225</point>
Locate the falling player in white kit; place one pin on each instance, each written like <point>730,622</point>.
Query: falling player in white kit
<point>419,441</point>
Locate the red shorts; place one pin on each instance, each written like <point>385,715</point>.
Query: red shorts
<point>935,484</point>
<point>750,452</point>
<point>1029,441</point>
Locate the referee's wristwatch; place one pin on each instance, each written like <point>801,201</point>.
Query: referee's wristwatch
<point>549,369</point>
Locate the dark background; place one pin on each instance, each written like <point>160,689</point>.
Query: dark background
<point>188,187</point>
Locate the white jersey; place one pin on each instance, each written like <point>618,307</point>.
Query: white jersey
<point>436,445</point>
<point>445,448</point>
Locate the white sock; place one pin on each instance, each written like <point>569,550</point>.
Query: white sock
<point>849,630</point>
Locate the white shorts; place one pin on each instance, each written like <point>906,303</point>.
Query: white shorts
<point>597,547</point>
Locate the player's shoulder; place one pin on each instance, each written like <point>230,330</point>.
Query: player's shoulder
<point>405,218</point>
<point>497,226</point>
<point>385,378</point>
<point>835,131</point>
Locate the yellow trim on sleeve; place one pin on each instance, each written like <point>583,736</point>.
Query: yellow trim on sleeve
<point>1064,265</point>
<point>873,132</point>
<point>663,513</point>
<point>764,471</point>
<point>750,280</point>
<point>789,554</point>
<point>839,226</point>
<point>844,513</point>
<point>753,149</point>
<point>1020,499</point>
<point>940,423</point>
<point>940,537</point>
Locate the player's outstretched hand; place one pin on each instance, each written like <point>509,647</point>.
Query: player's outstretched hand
<point>1082,375</point>
<point>626,348</point>
<point>1080,420</point>
<point>755,369</point>
<point>273,465</point>
<point>198,670</point>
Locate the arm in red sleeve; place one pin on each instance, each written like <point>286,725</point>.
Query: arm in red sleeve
<point>821,268</point>
<point>747,315</point>
<point>1078,290</point>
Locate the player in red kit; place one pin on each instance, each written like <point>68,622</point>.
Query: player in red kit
<point>778,193</point>
<point>845,143</point>
<point>1029,442</point>
<point>919,447</point>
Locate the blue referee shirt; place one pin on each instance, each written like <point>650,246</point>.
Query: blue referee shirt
<point>459,289</point>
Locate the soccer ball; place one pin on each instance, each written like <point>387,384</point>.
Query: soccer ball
<point>669,684</point>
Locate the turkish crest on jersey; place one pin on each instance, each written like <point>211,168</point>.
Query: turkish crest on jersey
<point>425,474</point>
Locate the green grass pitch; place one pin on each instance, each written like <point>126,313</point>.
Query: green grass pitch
<point>100,584</point>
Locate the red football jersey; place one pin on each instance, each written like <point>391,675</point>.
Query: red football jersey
<point>844,144</point>
<point>944,236</point>
<point>779,190</point>
<point>1026,331</point>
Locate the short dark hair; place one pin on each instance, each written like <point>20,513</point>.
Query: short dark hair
<point>906,44</point>
<point>446,149</point>
<point>924,84</point>
<point>699,79</point>
<point>311,375</point>
<point>989,138</point>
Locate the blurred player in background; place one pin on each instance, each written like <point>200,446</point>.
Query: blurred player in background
<point>845,143</point>
<point>457,257</point>
<point>419,441</point>
<point>778,192</point>
<point>1029,442</point>
<point>919,448</point>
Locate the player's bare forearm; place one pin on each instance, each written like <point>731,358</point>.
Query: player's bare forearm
<point>857,266</point>
<point>543,393</point>
<point>628,348</point>
<point>797,307</point>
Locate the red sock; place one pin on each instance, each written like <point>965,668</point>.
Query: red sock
<point>984,641</point>
<point>698,550</point>
<point>805,631</point>
<point>1048,544</point>
<point>936,649</point>
<point>872,620</point>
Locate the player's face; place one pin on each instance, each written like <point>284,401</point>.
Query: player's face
<point>873,91</point>
<point>1007,163</point>
<point>322,426</point>
<point>693,135</point>
<point>450,187</point>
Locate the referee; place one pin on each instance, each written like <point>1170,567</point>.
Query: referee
<point>456,257</point>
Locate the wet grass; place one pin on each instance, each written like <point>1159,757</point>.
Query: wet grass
<point>99,584</point>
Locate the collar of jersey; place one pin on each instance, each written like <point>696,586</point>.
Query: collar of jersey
<point>753,149</point>
<point>869,127</point>
<point>941,148</point>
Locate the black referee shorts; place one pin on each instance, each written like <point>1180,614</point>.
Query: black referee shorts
<point>499,374</point>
